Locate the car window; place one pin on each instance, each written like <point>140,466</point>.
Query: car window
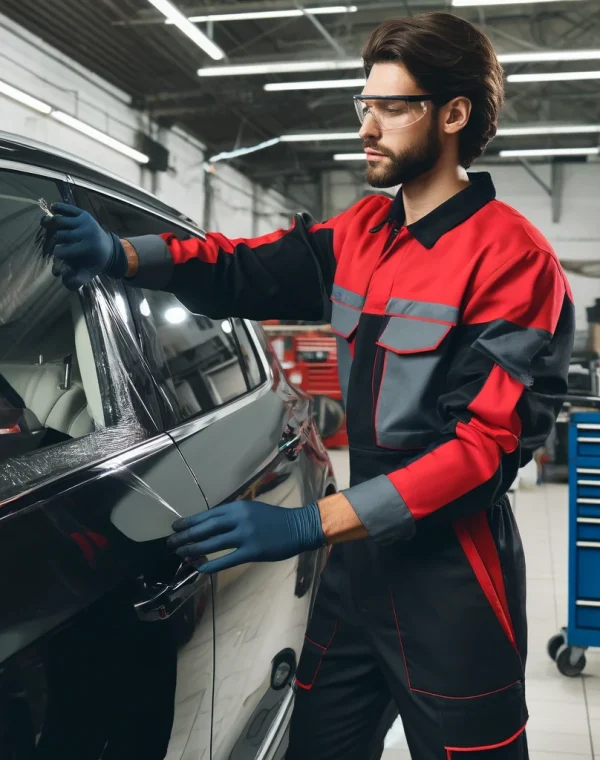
<point>50,395</point>
<point>200,363</point>
<point>254,371</point>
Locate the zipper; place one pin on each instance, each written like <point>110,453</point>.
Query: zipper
<point>391,237</point>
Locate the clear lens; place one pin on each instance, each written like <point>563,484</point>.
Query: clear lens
<point>390,114</point>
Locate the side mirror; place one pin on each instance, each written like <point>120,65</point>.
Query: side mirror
<point>328,414</point>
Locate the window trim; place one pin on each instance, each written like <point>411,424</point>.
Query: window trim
<point>17,166</point>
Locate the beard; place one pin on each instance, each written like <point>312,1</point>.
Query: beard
<point>408,165</point>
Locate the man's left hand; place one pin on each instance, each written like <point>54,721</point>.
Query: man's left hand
<point>257,531</point>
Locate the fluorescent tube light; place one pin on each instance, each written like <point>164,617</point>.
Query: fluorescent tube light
<point>243,151</point>
<point>174,15</point>
<point>350,157</point>
<point>539,152</point>
<point>322,84</point>
<point>284,67</point>
<point>566,129</point>
<point>95,134</point>
<point>24,98</point>
<point>465,3</point>
<point>257,15</point>
<point>319,136</point>
<point>550,56</point>
<point>555,76</point>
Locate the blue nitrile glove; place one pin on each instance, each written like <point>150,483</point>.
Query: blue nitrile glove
<point>82,246</point>
<point>259,532</point>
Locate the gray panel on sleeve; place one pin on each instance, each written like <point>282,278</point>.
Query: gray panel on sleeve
<point>155,262</point>
<point>382,510</point>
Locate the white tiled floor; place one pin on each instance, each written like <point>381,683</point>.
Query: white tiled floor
<point>565,713</point>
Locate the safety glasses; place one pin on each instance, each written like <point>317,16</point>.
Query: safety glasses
<point>392,111</point>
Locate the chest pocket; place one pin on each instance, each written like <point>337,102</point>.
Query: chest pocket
<point>345,316</point>
<point>415,343</point>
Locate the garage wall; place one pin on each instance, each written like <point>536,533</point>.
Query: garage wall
<point>31,65</point>
<point>576,236</point>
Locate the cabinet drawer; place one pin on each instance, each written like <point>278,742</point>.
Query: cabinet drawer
<point>588,569</point>
<point>588,529</point>
<point>587,614</point>
<point>588,439</point>
<point>587,492</point>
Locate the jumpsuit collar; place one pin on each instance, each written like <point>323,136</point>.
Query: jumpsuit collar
<point>430,228</point>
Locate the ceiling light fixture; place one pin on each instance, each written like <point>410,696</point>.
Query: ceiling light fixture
<point>540,152</point>
<point>173,14</point>
<point>319,136</point>
<point>258,15</point>
<point>283,67</point>
<point>101,137</point>
<point>291,67</point>
<point>550,129</point>
<point>555,76</point>
<point>22,97</point>
<point>550,56</point>
<point>466,3</point>
<point>319,84</point>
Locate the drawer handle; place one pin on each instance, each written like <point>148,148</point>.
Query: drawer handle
<point>588,440</point>
<point>589,520</point>
<point>588,426</point>
<point>588,501</point>
<point>588,482</point>
<point>588,544</point>
<point>586,603</point>
<point>587,471</point>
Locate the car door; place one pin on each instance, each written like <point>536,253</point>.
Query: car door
<point>246,434</point>
<point>106,641</point>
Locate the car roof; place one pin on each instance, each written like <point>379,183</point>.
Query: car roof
<point>26,151</point>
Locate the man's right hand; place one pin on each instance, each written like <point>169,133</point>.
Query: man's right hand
<point>83,247</point>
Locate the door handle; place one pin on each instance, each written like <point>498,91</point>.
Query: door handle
<point>160,600</point>
<point>290,442</point>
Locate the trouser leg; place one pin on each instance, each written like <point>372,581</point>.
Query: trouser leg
<point>343,705</point>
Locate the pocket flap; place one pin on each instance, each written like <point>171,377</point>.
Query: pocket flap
<point>405,335</point>
<point>484,722</point>
<point>344,319</point>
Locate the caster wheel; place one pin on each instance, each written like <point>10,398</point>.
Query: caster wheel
<point>570,661</point>
<point>554,644</point>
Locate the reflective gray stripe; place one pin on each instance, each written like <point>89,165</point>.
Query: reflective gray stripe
<point>155,262</point>
<point>382,510</point>
<point>423,309</point>
<point>412,335</point>
<point>512,347</point>
<point>344,320</point>
<point>348,297</point>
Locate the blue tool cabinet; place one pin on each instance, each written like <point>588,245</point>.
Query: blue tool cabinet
<point>568,647</point>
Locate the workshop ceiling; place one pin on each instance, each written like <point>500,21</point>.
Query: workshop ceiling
<point>127,43</point>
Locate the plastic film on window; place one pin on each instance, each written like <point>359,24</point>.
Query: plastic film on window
<point>75,388</point>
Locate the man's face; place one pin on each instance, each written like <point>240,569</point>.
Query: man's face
<point>398,155</point>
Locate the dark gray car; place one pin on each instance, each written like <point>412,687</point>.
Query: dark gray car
<point>119,410</point>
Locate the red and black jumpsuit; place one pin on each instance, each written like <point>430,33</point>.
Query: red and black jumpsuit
<point>454,337</point>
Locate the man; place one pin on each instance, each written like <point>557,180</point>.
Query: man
<point>455,326</point>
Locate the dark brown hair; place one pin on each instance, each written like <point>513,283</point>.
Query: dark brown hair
<point>450,57</point>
